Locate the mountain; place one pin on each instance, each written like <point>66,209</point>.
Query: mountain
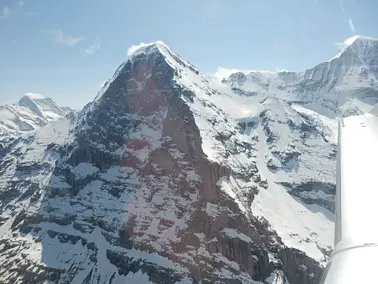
<point>352,73</point>
<point>31,112</point>
<point>171,176</point>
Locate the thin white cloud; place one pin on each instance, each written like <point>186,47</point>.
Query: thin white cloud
<point>351,25</point>
<point>5,13</point>
<point>34,96</point>
<point>222,73</point>
<point>135,47</point>
<point>345,12</point>
<point>21,3</point>
<point>93,48</point>
<point>65,39</point>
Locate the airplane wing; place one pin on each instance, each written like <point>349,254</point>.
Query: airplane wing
<point>355,256</point>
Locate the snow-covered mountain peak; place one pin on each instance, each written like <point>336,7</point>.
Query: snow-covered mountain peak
<point>358,40</point>
<point>353,44</point>
<point>149,58</point>
<point>352,72</point>
<point>40,105</point>
<point>155,49</point>
<point>159,48</point>
<point>34,99</point>
<point>134,50</point>
<point>30,101</point>
<point>30,112</point>
<point>346,84</point>
<point>365,48</point>
<point>143,57</point>
<point>365,39</point>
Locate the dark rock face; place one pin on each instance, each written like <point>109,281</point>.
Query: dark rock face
<point>128,265</point>
<point>299,268</point>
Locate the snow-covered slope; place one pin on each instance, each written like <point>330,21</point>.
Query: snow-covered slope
<point>31,112</point>
<point>170,176</point>
<point>345,85</point>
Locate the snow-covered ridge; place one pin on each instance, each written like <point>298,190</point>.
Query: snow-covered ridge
<point>139,48</point>
<point>162,48</point>
<point>347,84</point>
<point>351,41</point>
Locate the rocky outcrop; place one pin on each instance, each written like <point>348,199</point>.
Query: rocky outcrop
<point>314,192</point>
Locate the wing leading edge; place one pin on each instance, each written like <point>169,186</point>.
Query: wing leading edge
<point>355,257</point>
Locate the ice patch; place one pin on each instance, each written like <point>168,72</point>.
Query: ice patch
<point>85,169</point>
<point>200,236</point>
<point>212,210</point>
<point>232,234</point>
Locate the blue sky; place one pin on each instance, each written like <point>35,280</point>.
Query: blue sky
<point>67,49</point>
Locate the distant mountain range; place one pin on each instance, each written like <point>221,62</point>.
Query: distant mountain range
<point>31,112</point>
